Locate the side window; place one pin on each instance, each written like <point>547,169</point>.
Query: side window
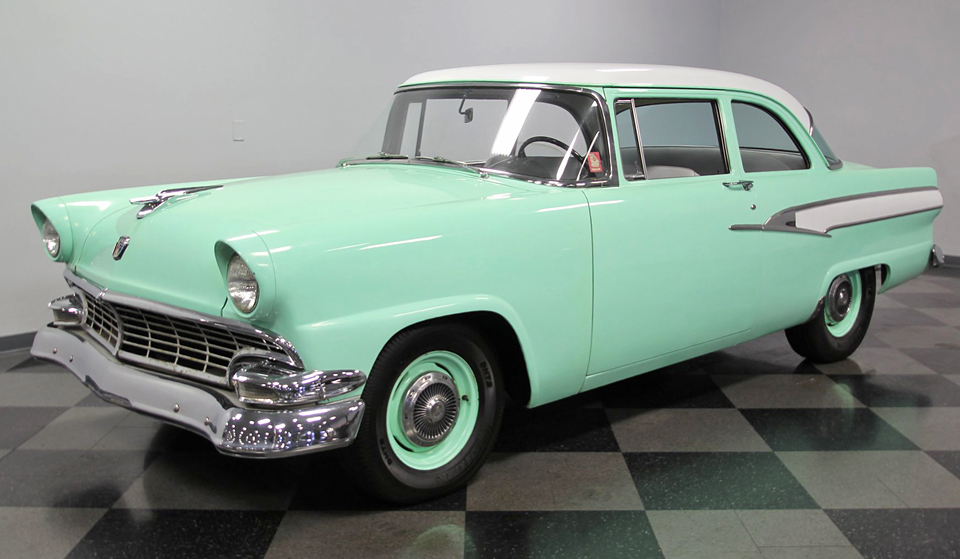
<point>765,143</point>
<point>679,138</point>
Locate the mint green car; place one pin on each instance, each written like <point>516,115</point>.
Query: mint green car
<point>521,232</point>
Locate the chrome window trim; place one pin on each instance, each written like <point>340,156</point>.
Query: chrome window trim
<point>783,125</point>
<point>717,121</point>
<point>831,166</point>
<point>104,294</point>
<point>612,177</point>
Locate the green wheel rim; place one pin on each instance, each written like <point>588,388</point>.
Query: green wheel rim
<point>433,457</point>
<point>841,328</point>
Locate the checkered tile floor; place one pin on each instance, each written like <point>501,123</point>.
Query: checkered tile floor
<point>748,452</point>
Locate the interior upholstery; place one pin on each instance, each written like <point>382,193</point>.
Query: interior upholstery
<point>691,161</point>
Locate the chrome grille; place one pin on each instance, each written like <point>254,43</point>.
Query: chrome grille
<point>191,348</point>
<point>100,320</point>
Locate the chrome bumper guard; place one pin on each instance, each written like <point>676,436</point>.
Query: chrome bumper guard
<point>211,412</point>
<point>936,256</point>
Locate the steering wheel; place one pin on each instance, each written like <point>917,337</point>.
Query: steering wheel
<point>548,140</point>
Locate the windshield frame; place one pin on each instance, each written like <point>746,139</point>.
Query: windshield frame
<point>605,130</point>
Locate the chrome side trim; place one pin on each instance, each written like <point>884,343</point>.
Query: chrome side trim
<point>152,203</point>
<point>819,218</point>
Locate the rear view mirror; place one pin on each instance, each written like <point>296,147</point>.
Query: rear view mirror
<point>467,114</point>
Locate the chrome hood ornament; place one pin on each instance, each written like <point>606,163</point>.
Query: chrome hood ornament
<point>151,203</point>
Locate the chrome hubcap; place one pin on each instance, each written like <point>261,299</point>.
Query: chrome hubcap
<point>430,408</point>
<point>839,297</point>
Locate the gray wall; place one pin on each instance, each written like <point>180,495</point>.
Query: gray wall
<point>106,94</point>
<point>881,78</point>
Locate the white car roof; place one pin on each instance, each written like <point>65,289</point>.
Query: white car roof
<point>615,75</point>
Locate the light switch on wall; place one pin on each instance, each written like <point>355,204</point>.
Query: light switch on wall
<point>238,131</point>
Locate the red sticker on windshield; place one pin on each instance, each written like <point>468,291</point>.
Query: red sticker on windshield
<point>593,162</point>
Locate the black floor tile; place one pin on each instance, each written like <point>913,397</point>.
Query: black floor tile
<point>94,401</point>
<point>565,426</point>
<point>825,429</point>
<point>927,300</point>
<point>19,424</point>
<point>188,441</point>
<point>68,478</point>
<point>38,365</point>
<point>947,276</point>
<point>607,534</point>
<point>885,319</point>
<point>317,494</point>
<point>715,480</point>
<point>179,534</point>
<point>193,480</point>
<point>942,360</point>
<point>911,391</point>
<point>949,459</point>
<point>901,533</point>
<point>661,389</point>
<point>785,364</point>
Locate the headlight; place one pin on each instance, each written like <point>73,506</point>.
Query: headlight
<point>51,239</point>
<point>242,285</point>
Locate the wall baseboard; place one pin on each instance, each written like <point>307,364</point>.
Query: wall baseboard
<point>17,341</point>
<point>951,260</point>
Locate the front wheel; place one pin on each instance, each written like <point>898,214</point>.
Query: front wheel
<point>434,406</point>
<point>841,320</point>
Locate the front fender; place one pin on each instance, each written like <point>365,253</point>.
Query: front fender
<point>358,339</point>
<point>345,288</point>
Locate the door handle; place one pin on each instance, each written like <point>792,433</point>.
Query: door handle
<point>746,185</point>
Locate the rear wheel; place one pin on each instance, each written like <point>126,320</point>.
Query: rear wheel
<point>838,326</point>
<point>434,406</point>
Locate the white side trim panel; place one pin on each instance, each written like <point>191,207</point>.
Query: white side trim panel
<point>829,216</point>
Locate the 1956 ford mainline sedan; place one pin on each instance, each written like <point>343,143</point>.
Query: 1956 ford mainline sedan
<point>529,232</point>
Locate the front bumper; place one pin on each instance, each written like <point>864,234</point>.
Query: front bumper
<point>214,413</point>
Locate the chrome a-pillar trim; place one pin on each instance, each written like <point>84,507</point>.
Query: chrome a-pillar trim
<point>260,379</point>
<point>210,412</point>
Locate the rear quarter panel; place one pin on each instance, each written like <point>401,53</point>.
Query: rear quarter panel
<point>797,268</point>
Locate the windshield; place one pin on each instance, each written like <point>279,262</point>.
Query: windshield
<point>534,134</point>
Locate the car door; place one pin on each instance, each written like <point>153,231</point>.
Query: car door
<point>786,170</point>
<point>669,274</point>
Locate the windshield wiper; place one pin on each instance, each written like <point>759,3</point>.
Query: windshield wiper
<point>443,160</point>
<point>376,157</point>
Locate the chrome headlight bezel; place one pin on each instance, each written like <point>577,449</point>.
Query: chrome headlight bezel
<point>54,225</point>
<point>242,285</point>
<point>50,237</point>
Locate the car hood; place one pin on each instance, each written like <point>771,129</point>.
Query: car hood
<point>171,258</point>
